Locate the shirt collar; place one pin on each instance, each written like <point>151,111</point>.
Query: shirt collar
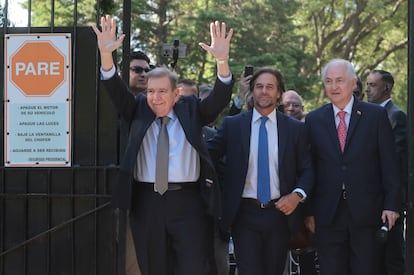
<point>171,115</point>
<point>347,109</point>
<point>257,115</point>
<point>385,102</point>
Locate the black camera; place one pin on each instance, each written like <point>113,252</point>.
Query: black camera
<point>382,233</point>
<point>248,70</point>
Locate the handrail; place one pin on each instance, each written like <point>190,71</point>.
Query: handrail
<point>53,229</point>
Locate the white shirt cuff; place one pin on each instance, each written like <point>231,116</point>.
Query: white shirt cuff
<point>105,75</point>
<point>226,80</point>
<point>300,190</point>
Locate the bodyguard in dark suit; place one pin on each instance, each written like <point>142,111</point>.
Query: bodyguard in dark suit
<point>168,207</point>
<point>357,185</point>
<point>379,88</point>
<point>261,227</point>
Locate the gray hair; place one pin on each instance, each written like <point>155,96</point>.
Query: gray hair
<point>164,72</point>
<point>292,92</point>
<point>350,70</point>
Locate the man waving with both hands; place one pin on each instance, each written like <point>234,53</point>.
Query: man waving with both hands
<point>169,206</point>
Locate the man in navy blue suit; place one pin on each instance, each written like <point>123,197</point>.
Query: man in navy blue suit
<point>169,217</point>
<point>379,88</point>
<point>261,227</point>
<point>357,186</point>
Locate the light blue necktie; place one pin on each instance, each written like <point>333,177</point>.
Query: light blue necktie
<point>263,178</point>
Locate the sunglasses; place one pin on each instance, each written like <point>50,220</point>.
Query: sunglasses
<point>139,69</point>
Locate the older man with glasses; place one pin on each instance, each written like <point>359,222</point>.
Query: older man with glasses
<point>292,104</point>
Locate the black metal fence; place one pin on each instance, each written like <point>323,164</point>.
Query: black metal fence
<point>59,220</point>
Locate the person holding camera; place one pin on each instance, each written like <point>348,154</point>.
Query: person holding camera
<point>357,181</point>
<point>166,178</point>
<point>242,96</point>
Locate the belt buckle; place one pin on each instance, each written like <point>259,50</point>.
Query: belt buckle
<point>344,194</point>
<point>262,205</point>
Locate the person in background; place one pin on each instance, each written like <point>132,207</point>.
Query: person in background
<point>304,255</point>
<point>240,99</point>
<point>292,105</point>
<point>379,89</point>
<point>204,90</point>
<point>357,182</point>
<point>187,87</point>
<point>267,174</point>
<point>359,91</point>
<point>221,247</point>
<point>176,182</point>
<point>139,66</point>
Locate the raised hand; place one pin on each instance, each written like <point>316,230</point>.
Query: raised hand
<point>107,40</point>
<point>220,44</point>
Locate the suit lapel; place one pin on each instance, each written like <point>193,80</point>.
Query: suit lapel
<point>245,127</point>
<point>355,117</point>
<point>144,120</point>
<point>329,119</point>
<point>389,105</point>
<point>182,115</point>
<point>283,135</point>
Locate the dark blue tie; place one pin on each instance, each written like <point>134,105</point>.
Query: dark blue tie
<point>263,178</point>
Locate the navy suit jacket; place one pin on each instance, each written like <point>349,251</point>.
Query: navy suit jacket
<point>192,113</point>
<point>233,142</point>
<point>368,167</point>
<point>398,120</point>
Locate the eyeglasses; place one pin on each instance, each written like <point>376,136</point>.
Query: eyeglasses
<point>294,105</point>
<point>139,69</point>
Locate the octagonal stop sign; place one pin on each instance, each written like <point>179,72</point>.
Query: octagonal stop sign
<point>37,68</point>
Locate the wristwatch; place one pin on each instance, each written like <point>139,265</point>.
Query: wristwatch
<point>299,194</point>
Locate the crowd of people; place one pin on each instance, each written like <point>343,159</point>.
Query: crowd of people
<point>267,172</point>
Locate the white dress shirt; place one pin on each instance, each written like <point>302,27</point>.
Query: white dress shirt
<point>347,109</point>
<point>184,160</point>
<point>250,187</point>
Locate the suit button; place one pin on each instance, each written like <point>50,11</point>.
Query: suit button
<point>343,167</point>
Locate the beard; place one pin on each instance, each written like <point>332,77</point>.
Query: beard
<point>264,103</point>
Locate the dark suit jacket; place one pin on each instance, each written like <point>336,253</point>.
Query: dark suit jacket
<point>398,120</point>
<point>233,142</point>
<point>234,110</point>
<point>368,167</point>
<point>192,113</point>
<point>208,132</point>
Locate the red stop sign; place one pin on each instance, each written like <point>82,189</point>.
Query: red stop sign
<point>37,68</point>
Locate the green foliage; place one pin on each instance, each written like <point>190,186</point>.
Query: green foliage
<point>2,17</point>
<point>296,36</point>
<point>63,12</point>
